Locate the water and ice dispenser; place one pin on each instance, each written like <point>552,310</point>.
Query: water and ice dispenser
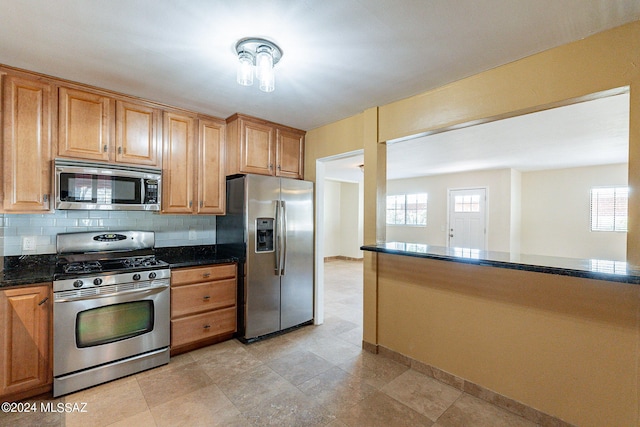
<point>264,234</point>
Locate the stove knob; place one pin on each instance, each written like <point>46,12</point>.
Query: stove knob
<point>78,284</point>
<point>97,282</point>
<point>152,275</point>
<point>136,276</point>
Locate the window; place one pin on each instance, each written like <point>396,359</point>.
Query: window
<point>407,209</point>
<point>467,203</point>
<point>609,208</point>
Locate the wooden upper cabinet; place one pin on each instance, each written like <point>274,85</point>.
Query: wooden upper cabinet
<point>256,148</point>
<point>264,148</point>
<point>136,134</point>
<point>210,165</point>
<point>27,148</point>
<point>25,356</point>
<point>84,125</point>
<point>177,163</point>
<point>289,153</point>
<point>98,127</point>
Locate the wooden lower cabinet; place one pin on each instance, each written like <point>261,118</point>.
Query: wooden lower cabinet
<point>203,306</point>
<point>25,352</point>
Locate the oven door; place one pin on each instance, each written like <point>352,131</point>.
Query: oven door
<point>90,331</point>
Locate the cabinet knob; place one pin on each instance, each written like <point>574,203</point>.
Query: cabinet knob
<point>270,165</point>
<point>43,301</point>
<point>206,274</point>
<point>206,297</point>
<point>278,167</point>
<point>206,327</point>
<point>190,203</point>
<point>104,148</point>
<point>119,150</point>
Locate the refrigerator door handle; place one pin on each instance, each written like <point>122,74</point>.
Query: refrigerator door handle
<point>276,238</point>
<point>284,238</point>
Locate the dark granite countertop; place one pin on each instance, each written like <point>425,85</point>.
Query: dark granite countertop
<point>27,270</point>
<point>33,269</point>
<point>189,256</point>
<point>615,271</point>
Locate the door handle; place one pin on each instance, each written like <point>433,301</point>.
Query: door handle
<point>276,238</point>
<point>284,238</point>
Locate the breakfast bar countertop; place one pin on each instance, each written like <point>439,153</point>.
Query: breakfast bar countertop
<point>614,271</point>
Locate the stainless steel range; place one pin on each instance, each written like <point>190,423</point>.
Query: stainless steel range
<point>111,308</point>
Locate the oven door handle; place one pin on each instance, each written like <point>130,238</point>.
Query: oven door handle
<point>144,291</point>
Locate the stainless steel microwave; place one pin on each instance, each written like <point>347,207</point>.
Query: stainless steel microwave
<point>100,186</point>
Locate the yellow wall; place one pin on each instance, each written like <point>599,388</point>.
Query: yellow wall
<point>340,137</point>
<point>562,345</point>
<point>565,386</point>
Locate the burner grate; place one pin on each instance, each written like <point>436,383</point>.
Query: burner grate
<point>83,267</point>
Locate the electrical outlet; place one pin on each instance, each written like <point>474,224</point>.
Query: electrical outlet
<point>29,243</point>
<point>192,234</point>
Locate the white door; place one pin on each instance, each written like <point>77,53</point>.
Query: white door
<point>467,218</point>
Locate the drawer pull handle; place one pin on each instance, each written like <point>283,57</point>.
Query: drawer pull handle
<point>206,297</point>
<point>43,301</point>
<point>206,274</point>
<point>206,327</point>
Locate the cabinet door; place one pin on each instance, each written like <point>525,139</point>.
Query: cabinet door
<point>24,355</point>
<point>211,179</point>
<point>84,124</point>
<point>177,163</point>
<point>27,145</point>
<point>289,153</point>
<point>256,148</point>
<point>136,134</point>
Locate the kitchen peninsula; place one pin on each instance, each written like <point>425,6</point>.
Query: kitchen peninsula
<point>550,332</point>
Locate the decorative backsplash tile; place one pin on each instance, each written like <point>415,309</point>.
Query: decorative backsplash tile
<point>171,230</point>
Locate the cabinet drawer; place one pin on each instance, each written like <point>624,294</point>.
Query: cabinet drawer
<point>189,299</point>
<point>202,326</point>
<point>183,276</point>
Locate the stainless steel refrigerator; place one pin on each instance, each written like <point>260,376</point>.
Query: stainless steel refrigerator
<point>269,225</point>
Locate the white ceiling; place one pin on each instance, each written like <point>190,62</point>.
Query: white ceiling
<point>584,134</point>
<point>340,56</point>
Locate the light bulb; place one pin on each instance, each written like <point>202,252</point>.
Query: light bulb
<point>264,69</point>
<point>245,68</point>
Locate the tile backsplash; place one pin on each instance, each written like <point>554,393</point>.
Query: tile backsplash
<point>171,230</point>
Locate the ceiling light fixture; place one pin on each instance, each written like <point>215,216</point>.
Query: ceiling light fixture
<point>262,55</point>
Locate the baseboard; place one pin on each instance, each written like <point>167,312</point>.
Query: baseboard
<point>341,258</point>
<point>506,403</point>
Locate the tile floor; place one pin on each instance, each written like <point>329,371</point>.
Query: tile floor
<point>317,375</point>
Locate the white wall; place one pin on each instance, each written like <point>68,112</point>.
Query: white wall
<point>541,213</point>
<point>556,218</point>
<point>332,218</point>
<point>343,219</point>
<point>498,184</point>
